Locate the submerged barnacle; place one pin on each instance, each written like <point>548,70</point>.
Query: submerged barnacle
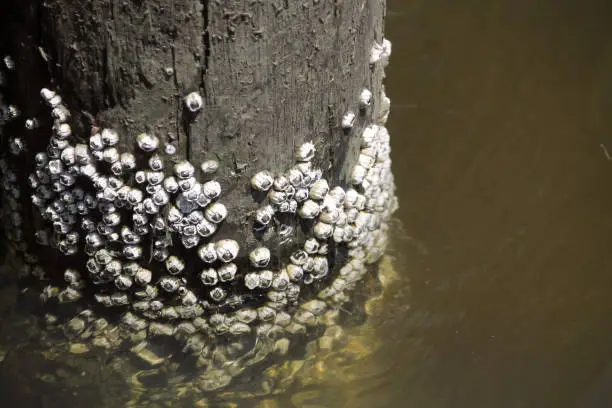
<point>262,181</point>
<point>260,257</point>
<point>147,142</point>
<point>193,101</point>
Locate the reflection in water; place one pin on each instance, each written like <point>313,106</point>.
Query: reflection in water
<point>496,286</point>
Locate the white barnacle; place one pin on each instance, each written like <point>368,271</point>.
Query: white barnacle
<point>132,252</point>
<point>209,166</point>
<point>193,101</point>
<point>113,268</point>
<point>62,131</point>
<point>60,113</point>
<point>143,276</point>
<point>95,142</point>
<point>40,159</point>
<point>209,277</point>
<point>251,280</point>
<point>128,161</point>
<point>305,152</point>
<point>294,175</point>
<point>277,197</point>
<point>358,174</point>
<point>281,281</point>
<point>227,272</point>
<point>239,328</point>
<point>322,230</point>
<point>169,283</point>
<point>170,185</point>
<point>154,177</point>
<point>264,215</point>
<point>156,163</point>
<point>366,161</point>
<point>227,249</point>
<point>369,136</point>
<point>348,120</point>
<point>321,267</point>
<point>147,142</point>
<point>311,246</point>
<point>208,253</point>
<point>260,257</point>
<point>281,183</point>
<point>110,155</point>
<point>365,98</point>
<point>170,149</point>
<point>376,53</point>
<point>265,278</point>
<point>215,213</point>
<point>262,181</point>
<point>211,189</point>
<point>299,257</point>
<point>140,177</point>
<point>109,137</point>
<point>31,123</point>
<point>309,209</point>
<point>149,206</point>
<point>206,228</point>
<point>134,196</point>
<point>294,272</point>
<point>160,198</point>
<point>123,282</point>
<point>319,189</point>
<point>188,298</point>
<point>47,94</point>
<point>184,170</point>
<point>329,215</point>
<point>218,294</point>
<point>174,265</point>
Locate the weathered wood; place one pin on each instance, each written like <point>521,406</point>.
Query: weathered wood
<point>272,75</point>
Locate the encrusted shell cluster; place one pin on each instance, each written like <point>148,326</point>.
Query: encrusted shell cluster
<point>139,217</point>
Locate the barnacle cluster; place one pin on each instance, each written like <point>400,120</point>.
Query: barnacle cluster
<point>141,229</point>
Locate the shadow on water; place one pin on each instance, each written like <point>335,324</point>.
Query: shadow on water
<point>498,278</point>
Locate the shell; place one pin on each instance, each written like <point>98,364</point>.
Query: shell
<point>227,272</point>
<point>109,137</point>
<point>348,120</point>
<point>305,152</point>
<point>365,98</point>
<point>193,101</point>
<point>319,190</point>
<point>251,280</point>
<point>215,213</point>
<point>262,181</point>
<point>184,170</point>
<point>309,209</point>
<point>208,253</point>
<point>227,250</point>
<point>169,283</point>
<point>209,166</point>
<point>209,277</point>
<point>264,215</point>
<point>260,257</point>
<point>218,294</point>
<point>147,142</point>
<point>174,265</point>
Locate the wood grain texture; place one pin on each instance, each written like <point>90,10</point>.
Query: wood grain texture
<point>273,74</point>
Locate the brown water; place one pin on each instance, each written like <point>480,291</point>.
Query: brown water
<point>501,117</point>
<point>501,112</point>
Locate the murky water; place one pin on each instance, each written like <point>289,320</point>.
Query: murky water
<point>499,272</point>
